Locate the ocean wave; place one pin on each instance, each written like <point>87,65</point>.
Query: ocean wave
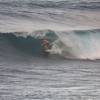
<point>80,44</point>
<point>71,4</point>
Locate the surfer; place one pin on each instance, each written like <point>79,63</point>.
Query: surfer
<point>45,44</point>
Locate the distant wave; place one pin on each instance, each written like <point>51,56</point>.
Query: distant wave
<point>80,44</point>
<point>71,4</point>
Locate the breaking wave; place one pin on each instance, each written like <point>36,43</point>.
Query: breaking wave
<point>80,44</point>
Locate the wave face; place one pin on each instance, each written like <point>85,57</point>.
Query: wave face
<point>27,44</point>
<point>72,27</point>
<point>70,44</point>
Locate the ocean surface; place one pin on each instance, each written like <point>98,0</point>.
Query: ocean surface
<point>72,69</point>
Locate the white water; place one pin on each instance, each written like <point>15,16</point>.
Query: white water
<point>83,45</point>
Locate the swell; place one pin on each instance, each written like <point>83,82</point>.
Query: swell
<point>80,4</point>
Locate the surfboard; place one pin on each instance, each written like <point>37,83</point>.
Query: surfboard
<point>46,53</point>
<point>48,50</point>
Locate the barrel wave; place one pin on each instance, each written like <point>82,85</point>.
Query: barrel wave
<point>80,44</point>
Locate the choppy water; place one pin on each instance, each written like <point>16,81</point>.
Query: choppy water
<point>49,79</point>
